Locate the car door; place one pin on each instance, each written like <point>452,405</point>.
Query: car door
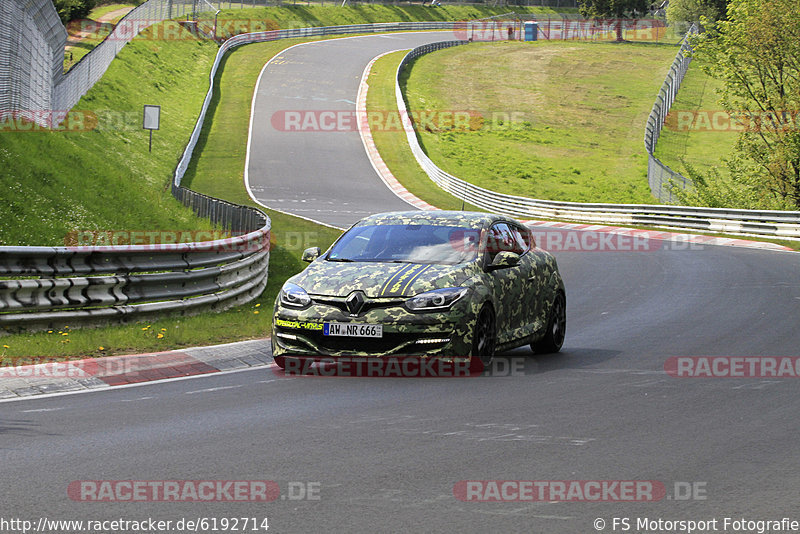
<point>508,283</point>
<point>535,277</point>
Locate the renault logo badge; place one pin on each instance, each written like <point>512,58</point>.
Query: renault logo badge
<point>355,302</point>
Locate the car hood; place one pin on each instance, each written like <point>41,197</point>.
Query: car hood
<point>338,279</point>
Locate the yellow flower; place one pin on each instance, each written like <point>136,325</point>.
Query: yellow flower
<point>6,347</point>
<point>65,333</point>
<point>256,312</point>
<point>101,348</point>
<point>257,305</point>
<point>159,336</point>
<point>49,331</point>
<point>163,329</point>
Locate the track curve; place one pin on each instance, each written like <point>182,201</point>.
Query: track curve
<point>320,175</point>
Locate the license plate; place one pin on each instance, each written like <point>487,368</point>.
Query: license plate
<point>352,330</point>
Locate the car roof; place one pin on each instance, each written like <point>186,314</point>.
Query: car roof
<point>468,219</point>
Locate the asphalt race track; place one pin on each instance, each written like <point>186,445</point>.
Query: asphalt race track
<point>386,453</point>
<point>318,174</point>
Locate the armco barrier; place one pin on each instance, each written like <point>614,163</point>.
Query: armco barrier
<point>50,287</point>
<point>785,224</point>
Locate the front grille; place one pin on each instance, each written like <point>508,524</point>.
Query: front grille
<point>388,343</point>
<point>369,304</point>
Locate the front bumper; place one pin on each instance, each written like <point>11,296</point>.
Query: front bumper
<point>300,332</point>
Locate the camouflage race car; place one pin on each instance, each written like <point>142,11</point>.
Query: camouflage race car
<point>442,283</point>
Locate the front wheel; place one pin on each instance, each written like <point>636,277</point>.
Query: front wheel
<point>284,361</point>
<point>553,338</point>
<point>484,337</point>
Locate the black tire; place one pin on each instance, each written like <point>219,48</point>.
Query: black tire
<point>553,338</point>
<point>484,337</point>
<point>280,361</point>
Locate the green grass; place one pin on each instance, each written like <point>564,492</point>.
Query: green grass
<point>562,120</point>
<point>99,11</point>
<point>689,134</point>
<point>56,182</point>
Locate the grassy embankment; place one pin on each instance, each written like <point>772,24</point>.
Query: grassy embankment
<point>566,122</point>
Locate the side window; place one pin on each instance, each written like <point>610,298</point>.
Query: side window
<point>501,238</point>
<point>523,238</point>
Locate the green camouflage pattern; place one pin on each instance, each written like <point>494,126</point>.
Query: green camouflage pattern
<point>520,296</point>
<point>380,280</point>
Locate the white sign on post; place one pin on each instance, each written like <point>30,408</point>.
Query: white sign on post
<point>151,121</point>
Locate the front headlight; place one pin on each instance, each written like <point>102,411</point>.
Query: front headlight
<point>436,300</point>
<point>294,296</point>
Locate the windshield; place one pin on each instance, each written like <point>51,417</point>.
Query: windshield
<point>411,243</point>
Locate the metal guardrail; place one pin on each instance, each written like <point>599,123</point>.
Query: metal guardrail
<point>49,287</point>
<point>784,224</point>
<point>661,178</point>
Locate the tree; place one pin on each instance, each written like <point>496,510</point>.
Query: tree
<point>756,53</point>
<point>693,10</point>
<point>73,9</point>
<point>617,9</point>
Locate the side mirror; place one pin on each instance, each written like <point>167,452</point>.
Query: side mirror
<point>504,260</point>
<point>311,254</point>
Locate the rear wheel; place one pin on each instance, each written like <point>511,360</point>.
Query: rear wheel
<point>553,339</point>
<point>484,337</point>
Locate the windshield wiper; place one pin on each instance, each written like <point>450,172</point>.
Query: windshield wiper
<point>340,259</point>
